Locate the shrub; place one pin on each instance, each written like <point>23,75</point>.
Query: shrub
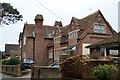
<point>13,61</point>
<point>103,71</point>
<point>4,61</point>
<point>74,66</point>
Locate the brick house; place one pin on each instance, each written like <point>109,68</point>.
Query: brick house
<point>34,39</point>
<point>12,50</point>
<point>45,44</point>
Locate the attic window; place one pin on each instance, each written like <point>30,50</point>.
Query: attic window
<point>99,28</point>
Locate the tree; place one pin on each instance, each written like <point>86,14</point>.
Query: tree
<point>9,15</point>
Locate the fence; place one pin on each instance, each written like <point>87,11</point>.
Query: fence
<point>14,70</point>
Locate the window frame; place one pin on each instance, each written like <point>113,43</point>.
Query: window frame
<point>99,28</point>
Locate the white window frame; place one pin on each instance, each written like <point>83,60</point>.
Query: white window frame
<point>57,39</point>
<point>50,54</point>
<point>73,34</point>
<point>99,28</point>
<point>85,51</point>
<point>56,55</point>
<point>24,40</point>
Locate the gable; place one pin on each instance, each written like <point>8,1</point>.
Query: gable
<point>73,24</point>
<point>98,25</point>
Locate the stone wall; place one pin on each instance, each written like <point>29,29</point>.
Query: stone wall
<point>44,72</point>
<point>14,70</point>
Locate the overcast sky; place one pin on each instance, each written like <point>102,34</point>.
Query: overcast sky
<point>52,10</point>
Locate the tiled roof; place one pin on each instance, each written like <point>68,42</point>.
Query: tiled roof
<point>84,22</point>
<point>114,39</point>
<point>48,30</point>
<point>51,44</point>
<point>29,28</point>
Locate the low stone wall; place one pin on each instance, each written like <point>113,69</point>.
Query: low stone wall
<point>14,70</point>
<point>44,72</point>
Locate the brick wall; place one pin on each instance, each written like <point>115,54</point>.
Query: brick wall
<point>39,43</point>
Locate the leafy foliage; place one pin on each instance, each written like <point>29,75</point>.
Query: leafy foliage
<point>11,61</point>
<point>9,15</point>
<point>102,71</point>
<point>4,61</point>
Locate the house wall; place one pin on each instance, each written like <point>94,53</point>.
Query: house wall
<point>14,52</point>
<point>29,48</point>
<point>46,51</point>
<point>50,56</point>
<point>72,41</point>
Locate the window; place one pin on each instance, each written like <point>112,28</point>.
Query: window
<point>102,51</point>
<point>50,54</point>
<point>73,34</point>
<point>57,40</point>
<point>99,28</point>
<point>24,40</point>
<point>85,50</point>
<point>56,54</point>
<point>24,55</point>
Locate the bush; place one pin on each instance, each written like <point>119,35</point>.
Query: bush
<point>13,61</point>
<point>75,67</point>
<point>103,71</point>
<point>4,61</point>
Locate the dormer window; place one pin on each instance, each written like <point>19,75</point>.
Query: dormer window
<point>99,28</point>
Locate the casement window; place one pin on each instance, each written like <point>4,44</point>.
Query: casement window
<point>99,28</point>
<point>50,54</point>
<point>24,42</point>
<point>24,55</point>
<point>113,52</point>
<point>102,51</point>
<point>56,55</point>
<point>73,34</point>
<point>57,39</point>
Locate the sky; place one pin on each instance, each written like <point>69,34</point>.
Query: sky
<point>55,10</point>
